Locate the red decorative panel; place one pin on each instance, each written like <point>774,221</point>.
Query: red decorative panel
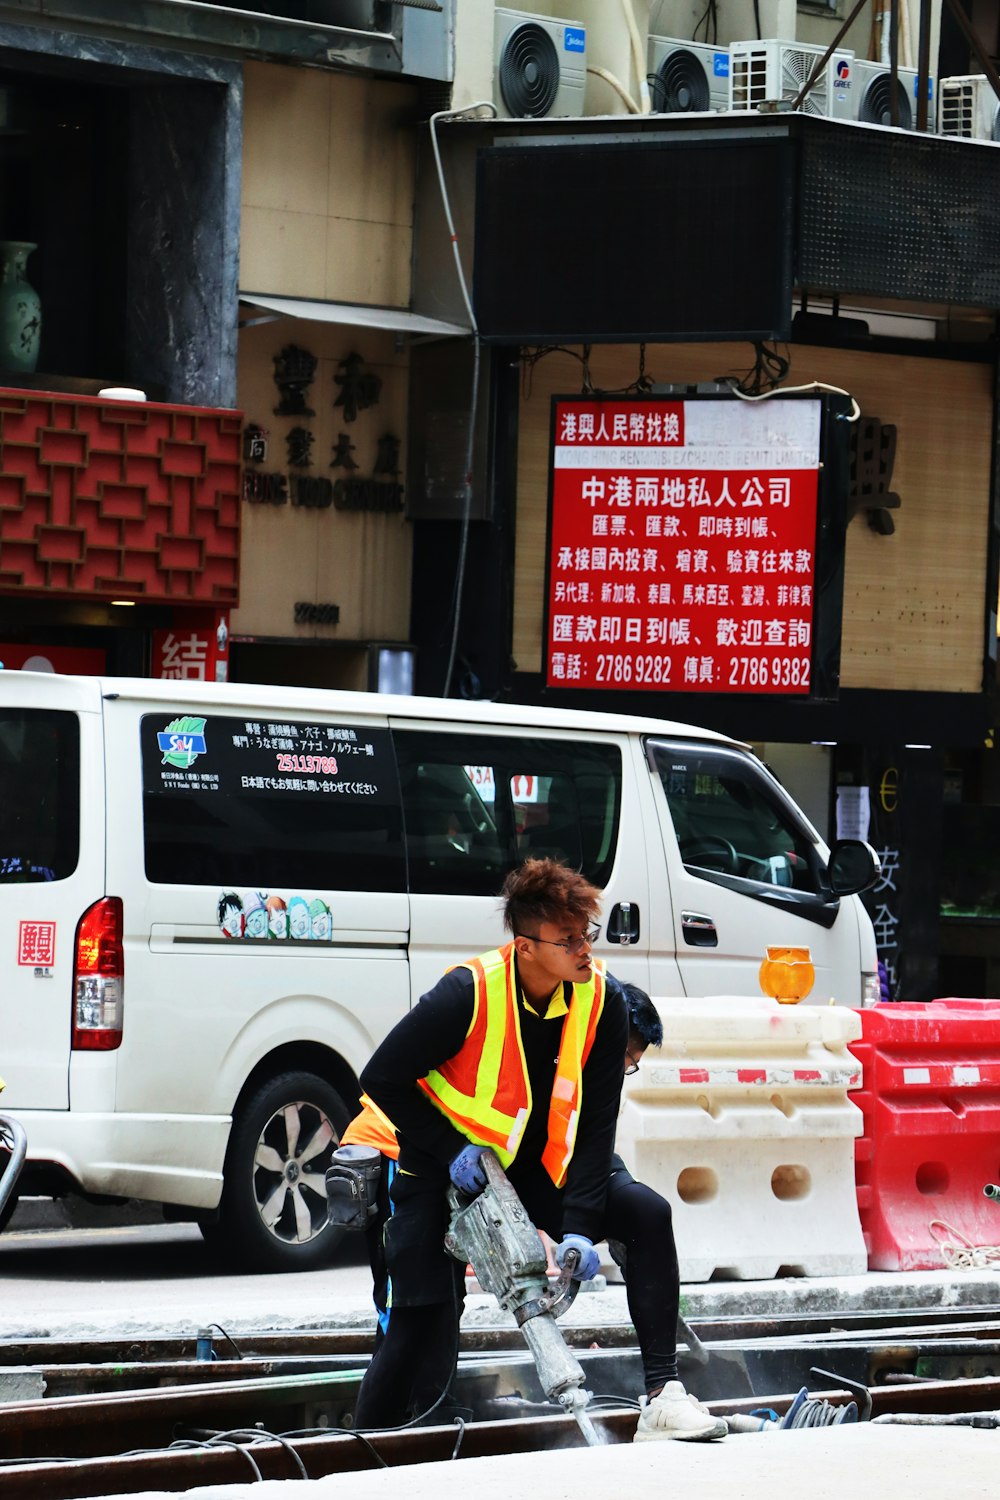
<point>113,499</point>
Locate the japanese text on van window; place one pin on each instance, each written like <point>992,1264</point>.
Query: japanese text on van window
<point>195,754</point>
<point>682,548</point>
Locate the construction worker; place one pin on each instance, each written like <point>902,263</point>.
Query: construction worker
<point>520,1052</point>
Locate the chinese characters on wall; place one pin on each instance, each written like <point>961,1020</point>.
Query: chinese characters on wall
<point>358,390</point>
<point>682,545</point>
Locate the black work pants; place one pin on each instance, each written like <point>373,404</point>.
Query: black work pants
<point>413,1365</point>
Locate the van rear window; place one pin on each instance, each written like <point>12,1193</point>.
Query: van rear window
<point>231,801</point>
<point>39,794</point>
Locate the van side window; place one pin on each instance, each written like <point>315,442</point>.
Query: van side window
<point>731,822</point>
<point>39,794</point>
<point>476,805</point>
<point>230,802</point>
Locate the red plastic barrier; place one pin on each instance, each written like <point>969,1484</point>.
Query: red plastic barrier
<point>931,1105</point>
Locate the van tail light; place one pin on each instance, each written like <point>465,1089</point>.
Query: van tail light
<point>99,978</point>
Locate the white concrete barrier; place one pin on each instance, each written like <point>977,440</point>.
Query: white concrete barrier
<point>742,1121</point>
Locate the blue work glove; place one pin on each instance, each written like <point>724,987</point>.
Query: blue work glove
<point>590,1261</point>
<point>466,1170</point>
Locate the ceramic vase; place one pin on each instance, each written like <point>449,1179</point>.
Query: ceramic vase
<point>20,309</point>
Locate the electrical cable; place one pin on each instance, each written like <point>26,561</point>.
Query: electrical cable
<point>710,20</point>
<point>638,56</point>
<point>225,1335</point>
<point>463,545</point>
<point>260,1434</point>
<point>865,1409</point>
<point>617,85</point>
<point>960,1253</point>
<point>787,390</point>
<point>806,1411</point>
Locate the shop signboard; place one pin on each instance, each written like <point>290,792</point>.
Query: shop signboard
<point>683,541</point>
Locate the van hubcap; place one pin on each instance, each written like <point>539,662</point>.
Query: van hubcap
<point>289,1176</point>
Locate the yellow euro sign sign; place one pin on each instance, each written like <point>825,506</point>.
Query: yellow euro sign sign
<point>888,789</point>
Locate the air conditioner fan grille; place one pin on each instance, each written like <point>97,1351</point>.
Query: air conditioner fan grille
<point>529,71</point>
<point>876,103</point>
<point>679,85</point>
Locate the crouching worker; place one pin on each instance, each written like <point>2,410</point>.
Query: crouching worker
<point>519,1051</point>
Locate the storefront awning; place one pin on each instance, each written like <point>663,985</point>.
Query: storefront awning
<point>357,315</point>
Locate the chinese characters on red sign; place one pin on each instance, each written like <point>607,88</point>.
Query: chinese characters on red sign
<point>36,944</point>
<point>682,546</point>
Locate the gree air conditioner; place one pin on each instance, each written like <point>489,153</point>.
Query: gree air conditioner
<point>773,73</point>
<point>968,107</point>
<point>686,77</point>
<point>871,95</point>
<point>539,65</point>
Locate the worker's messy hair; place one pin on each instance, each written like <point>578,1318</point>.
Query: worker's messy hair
<point>543,890</point>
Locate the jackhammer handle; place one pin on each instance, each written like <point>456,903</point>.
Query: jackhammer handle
<point>495,1175</point>
<point>571,1264</point>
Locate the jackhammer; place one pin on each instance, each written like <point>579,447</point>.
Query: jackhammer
<point>492,1233</point>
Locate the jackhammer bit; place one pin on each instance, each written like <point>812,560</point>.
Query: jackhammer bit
<point>492,1233</point>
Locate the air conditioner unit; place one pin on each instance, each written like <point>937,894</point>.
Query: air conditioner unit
<point>686,77</point>
<point>771,72</point>
<point>871,94</point>
<point>540,65</point>
<point>968,107</point>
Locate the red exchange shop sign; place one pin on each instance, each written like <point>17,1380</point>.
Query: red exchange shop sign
<point>683,545</point>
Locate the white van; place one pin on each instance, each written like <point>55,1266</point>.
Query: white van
<point>215,900</point>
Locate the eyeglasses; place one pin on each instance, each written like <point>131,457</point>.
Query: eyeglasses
<point>632,1066</point>
<point>569,945</point>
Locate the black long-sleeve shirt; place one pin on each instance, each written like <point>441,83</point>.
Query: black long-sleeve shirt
<point>434,1031</point>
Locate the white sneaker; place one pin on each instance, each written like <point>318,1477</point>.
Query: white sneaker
<point>675,1414</point>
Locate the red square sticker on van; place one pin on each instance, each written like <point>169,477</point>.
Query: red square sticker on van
<point>36,944</point>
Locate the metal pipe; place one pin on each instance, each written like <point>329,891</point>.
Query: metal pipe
<point>894,63</point>
<point>975,44</point>
<point>923,63</point>
<point>821,64</point>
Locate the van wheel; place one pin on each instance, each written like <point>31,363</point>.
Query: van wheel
<point>273,1210</point>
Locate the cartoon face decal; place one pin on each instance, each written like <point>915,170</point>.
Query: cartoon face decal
<point>321,920</point>
<point>277,917</point>
<point>299,924</point>
<point>231,914</point>
<point>254,915</point>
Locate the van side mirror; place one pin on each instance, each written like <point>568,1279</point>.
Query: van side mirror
<point>854,866</point>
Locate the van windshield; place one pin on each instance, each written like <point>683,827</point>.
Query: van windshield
<point>39,794</point>
<point>731,822</point>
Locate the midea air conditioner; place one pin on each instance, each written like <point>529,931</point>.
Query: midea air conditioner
<point>968,107</point>
<point>686,77</point>
<point>871,95</point>
<point>540,65</point>
<point>770,72</point>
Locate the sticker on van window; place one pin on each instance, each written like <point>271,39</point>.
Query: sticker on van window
<point>257,915</point>
<point>252,758</point>
<point>182,742</point>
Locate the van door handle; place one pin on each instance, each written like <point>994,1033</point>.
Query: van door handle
<point>623,924</point>
<point>699,930</point>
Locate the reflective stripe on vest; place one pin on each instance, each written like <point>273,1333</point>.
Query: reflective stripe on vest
<point>484,1089</point>
<point>372,1128</point>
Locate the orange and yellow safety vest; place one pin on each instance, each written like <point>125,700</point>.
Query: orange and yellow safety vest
<point>484,1089</point>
